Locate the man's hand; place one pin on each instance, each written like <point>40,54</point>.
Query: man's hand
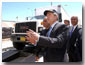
<point>32,36</point>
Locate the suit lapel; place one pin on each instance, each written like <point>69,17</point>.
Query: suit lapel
<point>54,29</point>
<point>74,32</point>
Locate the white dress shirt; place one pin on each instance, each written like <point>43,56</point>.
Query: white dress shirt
<point>74,27</point>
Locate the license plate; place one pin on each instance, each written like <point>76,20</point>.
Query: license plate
<point>22,38</point>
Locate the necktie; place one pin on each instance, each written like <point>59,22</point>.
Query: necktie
<point>48,34</point>
<point>71,31</point>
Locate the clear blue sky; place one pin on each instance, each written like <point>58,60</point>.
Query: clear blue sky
<point>24,9</point>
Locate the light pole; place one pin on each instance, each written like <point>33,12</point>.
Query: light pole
<point>16,18</point>
<point>65,10</point>
<point>30,11</point>
<point>35,11</point>
<point>51,3</point>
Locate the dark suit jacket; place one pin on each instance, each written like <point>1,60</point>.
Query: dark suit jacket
<point>39,49</point>
<point>44,32</point>
<point>55,44</point>
<point>75,45</point>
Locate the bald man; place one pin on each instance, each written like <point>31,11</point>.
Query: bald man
<point>43,32</point>
<point>75,42</point>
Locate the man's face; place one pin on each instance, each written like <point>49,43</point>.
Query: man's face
<point>50,17</point>
<point>65,22</point>
<point>74,21</point>
<point>45,23</point>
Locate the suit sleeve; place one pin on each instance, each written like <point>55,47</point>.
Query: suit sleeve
<point>79,45</point>
<point>56,42</point>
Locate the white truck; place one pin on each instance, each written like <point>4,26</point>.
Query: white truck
<point>18,37</point>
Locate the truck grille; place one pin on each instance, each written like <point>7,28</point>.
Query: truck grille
<point>25,26</point>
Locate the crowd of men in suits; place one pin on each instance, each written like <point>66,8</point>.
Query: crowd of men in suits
<point>58,39</point>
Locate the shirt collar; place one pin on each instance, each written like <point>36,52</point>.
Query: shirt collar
<point>74,27</point>
<point>54,24</point>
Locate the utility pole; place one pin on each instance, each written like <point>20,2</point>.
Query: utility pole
<point>17,19</point>
<point>35,11</point>
<point>51,3</point>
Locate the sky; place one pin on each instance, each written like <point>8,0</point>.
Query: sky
<point>10,10</point>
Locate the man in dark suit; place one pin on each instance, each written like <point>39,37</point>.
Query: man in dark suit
<point>40,49</point>
<point>46,25</point>
<point>75,42</point>
<point>54,41</point>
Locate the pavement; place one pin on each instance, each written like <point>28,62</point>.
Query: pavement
<point>7,44</point>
